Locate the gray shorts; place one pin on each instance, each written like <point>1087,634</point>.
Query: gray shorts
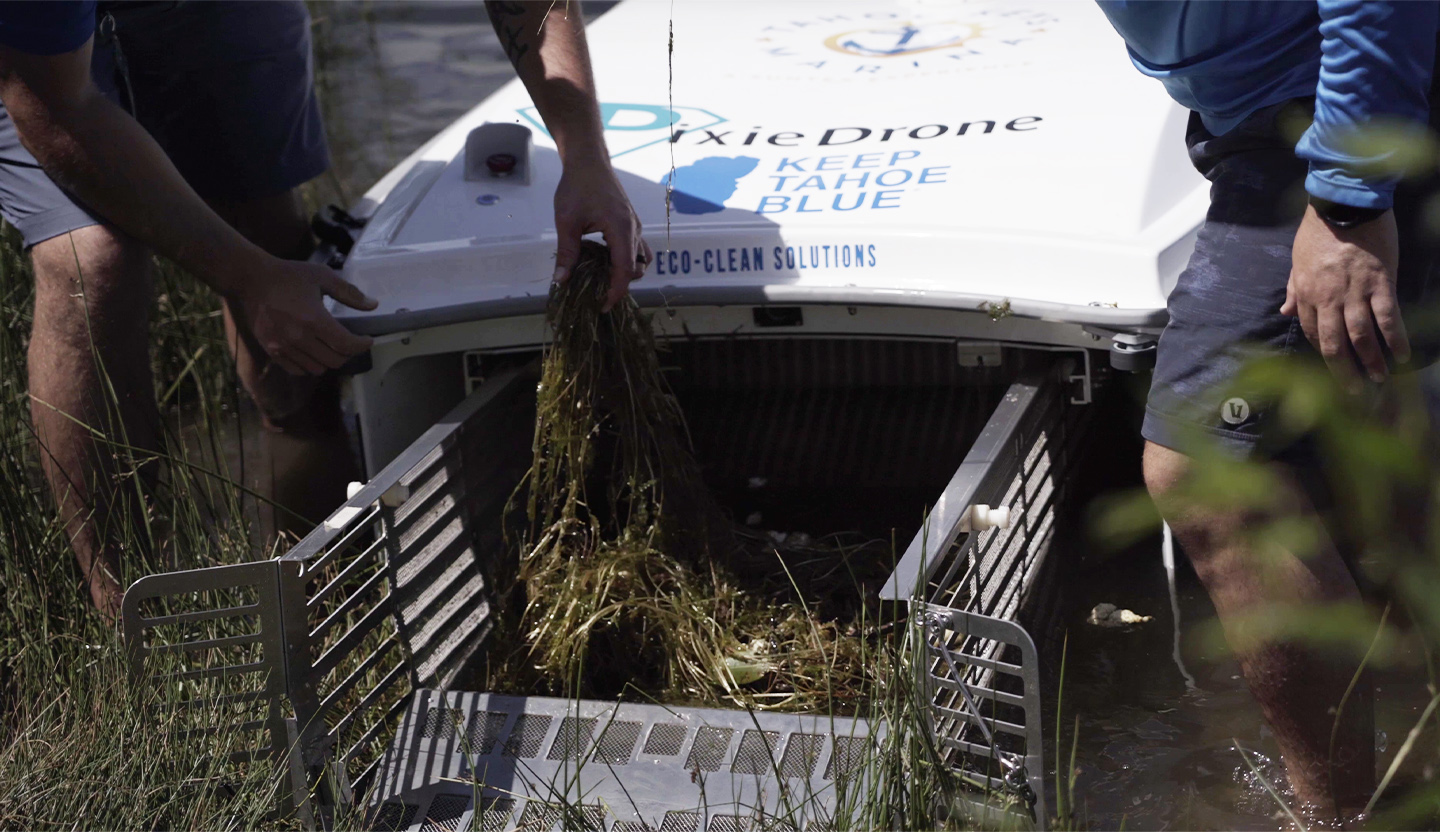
<point>1225,308</point>
<point>224,87</point>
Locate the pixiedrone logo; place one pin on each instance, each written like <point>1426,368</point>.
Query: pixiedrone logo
<point>630,127</point>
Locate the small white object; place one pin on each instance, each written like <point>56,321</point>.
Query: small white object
<point>984,517</point>
<point>395,495</point>
<point>342,517</point>
<point>758,482</point>
<point>753,518</point>
<point>1109,615</point>
<point>1234,411</point>
<point>352,489</point>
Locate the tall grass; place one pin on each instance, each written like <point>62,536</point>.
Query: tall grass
<point>82,747</point>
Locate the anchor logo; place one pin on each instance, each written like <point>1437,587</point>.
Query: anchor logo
<point>903,39</point>
<point>883,41</point>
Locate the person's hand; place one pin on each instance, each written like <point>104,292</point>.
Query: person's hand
<point>1342,287</point>
<point>281,302</point>
<point>589,198</point>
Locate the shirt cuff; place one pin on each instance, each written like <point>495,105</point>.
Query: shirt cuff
<point>1333,183</point>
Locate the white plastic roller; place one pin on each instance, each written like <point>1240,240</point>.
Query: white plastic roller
<point>982,517</point>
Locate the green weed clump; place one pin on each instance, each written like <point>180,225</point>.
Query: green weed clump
<point>630,574</point>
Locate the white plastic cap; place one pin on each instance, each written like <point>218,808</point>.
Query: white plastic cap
<point>984,517</point>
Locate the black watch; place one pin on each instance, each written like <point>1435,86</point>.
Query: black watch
<point>1337,215</point>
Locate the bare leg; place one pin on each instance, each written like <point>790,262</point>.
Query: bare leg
<point>92,299</point>
<point>1297,687</point>
<point>306,450</point>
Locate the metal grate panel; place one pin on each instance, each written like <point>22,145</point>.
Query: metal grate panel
<point>756,754</point>
<point>573,738</point>
<point>394,817</point>
<point>802,754</point>
<point>388,590</point>
<point>495,814</point>
<point>617,742</point>
<point>680,822</point>
<point>728,823</point>
<point>529,732</point>
<point>847,758</point>
<point>484,731</point>
<point>445,812</point>
<point>665,793</point>
<point>220,632</point>
<point>666,739</point>
<point>976,591</point>
<point>538,816</point>
<point>709,749</point>
<point>440,722</point>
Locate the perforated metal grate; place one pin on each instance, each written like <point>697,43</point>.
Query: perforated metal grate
<point>846,759</point>
<point>665,793</point>
<point>757,753</point>
<point>680,822</point>
<point>393,817</point>
<point>495,814</point>
<point>666,739</point>
<point>573,738</point>
<point>527,735</point>
<point>445,812</point>
<point>440,722</point>
<point>617,742</point>
<point>729,823</point>
<point>802,754</point>
<point>983,593</point>
<point>484,731</point>
<point>709,749</point>
<point>538,816</point>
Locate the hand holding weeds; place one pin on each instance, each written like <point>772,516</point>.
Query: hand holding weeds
<point>590,198</point>
<point>282,303</point>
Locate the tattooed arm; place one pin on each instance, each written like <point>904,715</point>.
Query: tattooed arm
<point>546,43</point>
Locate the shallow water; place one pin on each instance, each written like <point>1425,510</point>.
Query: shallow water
<point>1154,751</point>
<point>1157,750</point>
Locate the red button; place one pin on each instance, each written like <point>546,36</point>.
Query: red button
<point>500,164</point>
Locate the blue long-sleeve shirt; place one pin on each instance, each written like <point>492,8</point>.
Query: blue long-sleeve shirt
<point>1368,64</point>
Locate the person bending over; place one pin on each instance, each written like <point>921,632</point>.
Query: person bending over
<point>1277,271</point>
<point>184,129</point>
